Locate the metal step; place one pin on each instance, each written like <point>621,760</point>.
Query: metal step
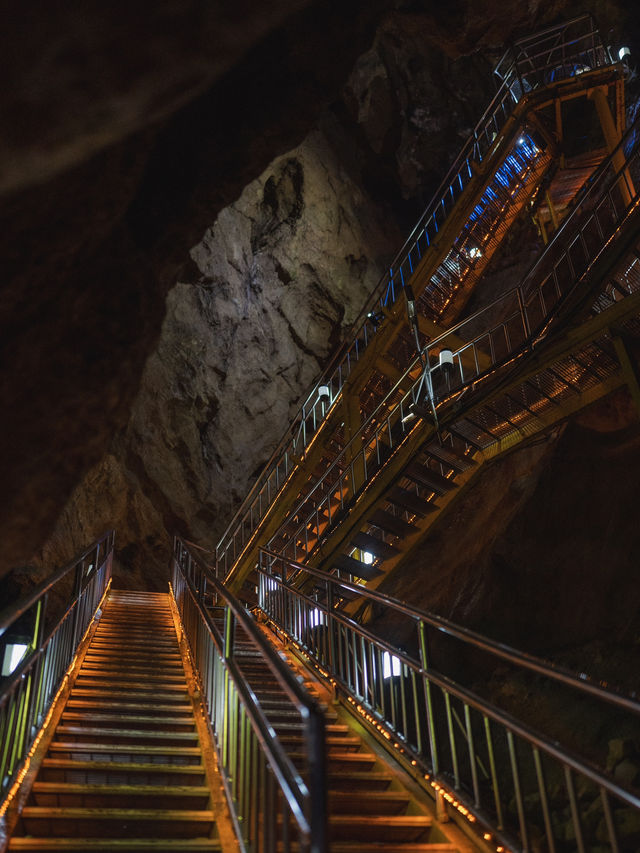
<point>373,545</point>
<point>119,823</point>
<point>354,567</point>
<point>410,501</point>
<point>460,464</point>
<point>429,478</point>
<point>79,795</point>
<point>391,523</point>
<point>117,845</point>
<point>120,772</point>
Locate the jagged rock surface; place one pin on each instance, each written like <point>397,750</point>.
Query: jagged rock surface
<point>274,283</point>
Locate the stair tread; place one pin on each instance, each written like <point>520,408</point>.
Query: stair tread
<point>143,678</point>
<point>429,478</point>
<point>457,462</point>
<point>88,731</point>
<point>354,567</point>
<point>124,844</point>
<point>65,746</point>
<point>81,788</point>
<point>373,545</point>
<point>120,766</point>
<point>95,692</point>
<point>410,501</point>
<point>391,523</point>
<point>399,820</point>
<point>121,685</point>
<point>174,708</point>
<point>187,718</point>
<point>78,812</point>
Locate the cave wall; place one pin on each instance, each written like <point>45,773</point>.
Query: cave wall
<point>271,287</point>
<point>126,133</point>
<point>172,289</point>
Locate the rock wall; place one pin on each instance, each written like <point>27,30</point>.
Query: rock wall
<point>272,286</point>
<point>278,267</point>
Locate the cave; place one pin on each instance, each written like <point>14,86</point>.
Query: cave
<point>198,203</point>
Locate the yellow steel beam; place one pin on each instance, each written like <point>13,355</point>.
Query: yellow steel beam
<point>612,137</point>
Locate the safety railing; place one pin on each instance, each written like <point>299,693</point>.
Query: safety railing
<point>275,804</point>
<point>558,53</point>
<point>479,347</point>
<point>524,789</point>
<point>36,655</point>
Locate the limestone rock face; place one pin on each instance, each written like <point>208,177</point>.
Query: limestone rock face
<point>275,281</point>
<point>273,285</point>
<point>126,133</point>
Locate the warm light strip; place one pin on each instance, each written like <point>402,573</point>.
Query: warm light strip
<point>16,785</point>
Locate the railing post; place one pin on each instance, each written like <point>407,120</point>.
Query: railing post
<point>331,627</point>
<point>77,589</point>
<point>424,663</point>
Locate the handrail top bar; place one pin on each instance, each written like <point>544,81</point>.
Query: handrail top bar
<point>291,683</point>
<point>554,28</point>
<point>13,611</point>
<point>502,650</point>
<point>532,38</point>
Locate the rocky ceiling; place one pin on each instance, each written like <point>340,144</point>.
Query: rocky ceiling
<point>196,202</point>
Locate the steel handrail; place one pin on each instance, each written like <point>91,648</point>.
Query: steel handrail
<point>277,758</point>
<point>581,683</point>
<point>307,802</point>
<point>358,325</point>
<point>26,695</point>
<point>296,692</point>
<point>13,611</point>
<point>432,736</point>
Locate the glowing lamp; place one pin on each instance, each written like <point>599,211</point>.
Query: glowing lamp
<point>446,361</point>
<point>13,654</point>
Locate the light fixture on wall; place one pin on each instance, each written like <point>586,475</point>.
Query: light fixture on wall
<point>13,653</point>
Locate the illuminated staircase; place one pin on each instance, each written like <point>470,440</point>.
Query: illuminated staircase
<point>124,770</point>
<point>521,158</point>
<point>369,808</point>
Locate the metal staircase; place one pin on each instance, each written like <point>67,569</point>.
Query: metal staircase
<point>521,156</point>
<point>327,736</point>
<point>531,358</point>
<point>516,786</point>
<point>125,769</point>
<point>368,808</point>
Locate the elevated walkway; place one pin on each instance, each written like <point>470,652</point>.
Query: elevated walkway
<point>521,156</point>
